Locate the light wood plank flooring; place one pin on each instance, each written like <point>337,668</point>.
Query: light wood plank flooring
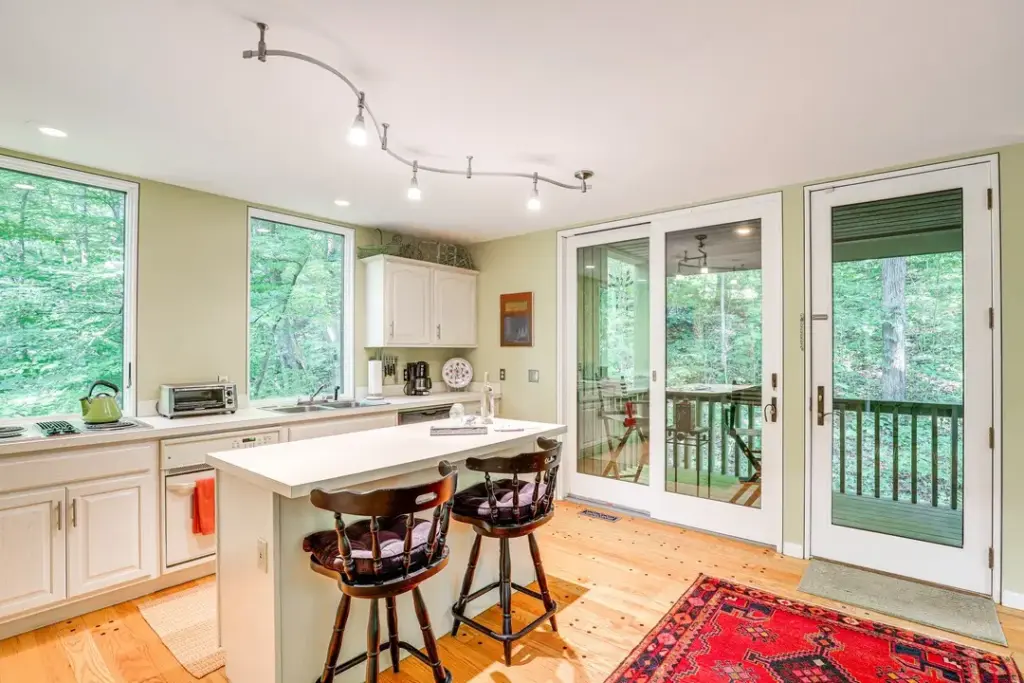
<point>612,580</point>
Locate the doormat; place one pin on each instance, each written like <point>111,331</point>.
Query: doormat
<point>603,516</point>
<point>969,615</point>
<point>186,622</point>
<point>719,631</point>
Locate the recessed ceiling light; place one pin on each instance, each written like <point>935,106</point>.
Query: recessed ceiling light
<point>342,202</point>
<point>24,186</point>
<point>52,132</point>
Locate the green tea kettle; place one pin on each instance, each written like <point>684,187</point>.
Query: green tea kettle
<point>101,408</point>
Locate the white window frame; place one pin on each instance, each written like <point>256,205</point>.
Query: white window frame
<point>348,297</point>
<point>131,241</point>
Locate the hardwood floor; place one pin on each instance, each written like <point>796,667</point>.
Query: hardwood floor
<point>612,581</point>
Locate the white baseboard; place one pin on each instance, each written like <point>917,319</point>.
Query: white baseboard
<point>1013,600</point>
<point>791,549</point>
<point>84,605</point>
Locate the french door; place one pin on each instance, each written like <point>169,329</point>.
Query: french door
<point>902,374</point>
<point>674,342</point>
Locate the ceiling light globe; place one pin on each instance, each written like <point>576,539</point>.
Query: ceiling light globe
<point>533,204</point>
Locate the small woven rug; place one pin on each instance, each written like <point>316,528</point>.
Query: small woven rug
<point>727,633</point>
<point>186,622</point>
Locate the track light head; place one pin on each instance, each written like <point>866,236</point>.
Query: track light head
<point>357,133</point>
<point>414,185</point>
<point>533,203</point>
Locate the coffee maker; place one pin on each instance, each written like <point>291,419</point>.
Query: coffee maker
<point>417,378</point>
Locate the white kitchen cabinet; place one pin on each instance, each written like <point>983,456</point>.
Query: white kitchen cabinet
<point>347,425</point>
<point>454,308</point>
<point>110,538</point>
<point>414,304</point>
<point>32,561</point>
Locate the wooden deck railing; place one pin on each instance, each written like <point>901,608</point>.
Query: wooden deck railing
<point>896,450</point>
<point>899,449</point>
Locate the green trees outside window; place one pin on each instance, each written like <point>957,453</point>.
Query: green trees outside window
<point>296,309</point>
<point>62,292</point>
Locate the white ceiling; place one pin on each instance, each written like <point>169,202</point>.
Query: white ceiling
<point>668,102</point>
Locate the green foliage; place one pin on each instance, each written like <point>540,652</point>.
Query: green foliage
<point>62,275</point>
<point>295,309</point>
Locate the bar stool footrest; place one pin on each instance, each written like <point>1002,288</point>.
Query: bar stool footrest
<point>460,617</point>
<point>382,649</point>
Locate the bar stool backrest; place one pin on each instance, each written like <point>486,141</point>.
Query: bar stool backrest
<point>385,503</point>
<point>543,464</point>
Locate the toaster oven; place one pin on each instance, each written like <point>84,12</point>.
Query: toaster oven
<point>177,400</point>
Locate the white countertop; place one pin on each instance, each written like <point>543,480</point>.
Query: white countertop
<point>247,418</point>
<point>332,462</point>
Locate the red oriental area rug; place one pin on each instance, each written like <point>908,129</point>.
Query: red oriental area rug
<point>721,632</point>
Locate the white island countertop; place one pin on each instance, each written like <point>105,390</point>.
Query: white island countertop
<point>294,469</point>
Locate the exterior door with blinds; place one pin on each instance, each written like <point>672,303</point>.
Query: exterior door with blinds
<point>902,355</point>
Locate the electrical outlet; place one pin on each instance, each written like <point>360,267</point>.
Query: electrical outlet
<point>222,378</point>
<point>501,374</point>
<point>534,375</point>
<point>261,554</point>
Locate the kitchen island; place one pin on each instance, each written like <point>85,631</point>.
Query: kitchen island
<point>276,614</point>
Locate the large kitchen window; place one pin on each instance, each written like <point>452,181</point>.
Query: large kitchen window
<point>300,306</point>
<point>66,287</point>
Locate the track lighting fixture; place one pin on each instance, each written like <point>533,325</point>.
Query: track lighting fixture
<point>414,185</point>
<point>533,203</point>
<point>358,134</point>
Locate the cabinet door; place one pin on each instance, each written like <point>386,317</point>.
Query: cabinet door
<point>112,532</point>
<point>454,309</point>
<point>407,304</point>
<point>32,564</point>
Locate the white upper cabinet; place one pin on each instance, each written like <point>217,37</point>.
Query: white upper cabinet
<point>111,533</point>
<point>413,303</point>
<point>454,308</point>
<point>32,527</point>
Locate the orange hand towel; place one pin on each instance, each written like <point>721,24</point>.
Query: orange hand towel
<point>203,507</point>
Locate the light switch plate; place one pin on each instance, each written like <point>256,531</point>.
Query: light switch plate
<point>501,374</point>
<point>534,375</point>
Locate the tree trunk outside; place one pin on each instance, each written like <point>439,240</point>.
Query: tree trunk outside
<point>894,344</point>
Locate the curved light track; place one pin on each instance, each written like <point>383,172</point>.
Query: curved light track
<point>261,53</point>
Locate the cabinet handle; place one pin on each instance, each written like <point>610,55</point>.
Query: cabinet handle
<point>60,514</point>
<point>438,331</point>
<point>74,512</point>
<point>392,329</point>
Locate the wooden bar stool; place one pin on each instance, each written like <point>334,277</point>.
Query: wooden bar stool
<point>390,553</point>
<point>506,509</point>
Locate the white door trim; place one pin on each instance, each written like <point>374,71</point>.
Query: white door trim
<point>997,455</point>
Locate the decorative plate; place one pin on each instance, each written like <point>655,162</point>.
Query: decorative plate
<point>457,373</point>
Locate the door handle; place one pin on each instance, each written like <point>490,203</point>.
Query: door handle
<point>60,514</point>
<point>771,410</point>
<point>821,406</point>
<point>74,512</point>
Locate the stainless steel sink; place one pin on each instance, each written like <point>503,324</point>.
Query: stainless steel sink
<point>288,410</point>
<point>336,405</point>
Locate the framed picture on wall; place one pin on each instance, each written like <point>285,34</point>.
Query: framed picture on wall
<point>517,319</point>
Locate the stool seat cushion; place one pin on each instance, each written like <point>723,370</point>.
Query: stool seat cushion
<point>473,502</point>
<point>323,545</point>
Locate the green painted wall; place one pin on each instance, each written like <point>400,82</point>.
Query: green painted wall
<point>528,263</point>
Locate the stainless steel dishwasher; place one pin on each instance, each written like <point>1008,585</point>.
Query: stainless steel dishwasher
<point>406,417</point>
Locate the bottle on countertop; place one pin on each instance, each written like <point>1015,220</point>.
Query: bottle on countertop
<point>487,402</point>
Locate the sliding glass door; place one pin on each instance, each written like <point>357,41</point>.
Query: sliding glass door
<point>607,277</point>
<point>674,357</point>
<point>718,355</point>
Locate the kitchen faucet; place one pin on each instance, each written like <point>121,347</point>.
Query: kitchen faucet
<point>312,397</point>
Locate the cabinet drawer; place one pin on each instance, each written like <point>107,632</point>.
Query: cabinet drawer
<point>51,468</point>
